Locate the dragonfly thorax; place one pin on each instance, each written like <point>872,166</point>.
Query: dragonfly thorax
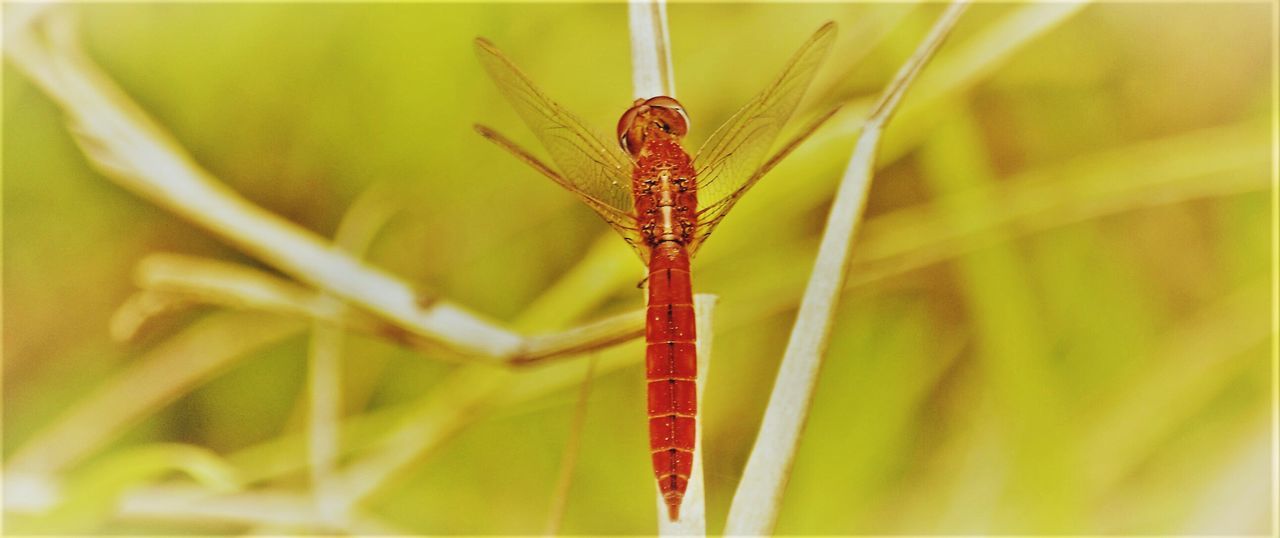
<point>665,191</point>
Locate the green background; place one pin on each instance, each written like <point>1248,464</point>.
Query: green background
<point>1057,319</point>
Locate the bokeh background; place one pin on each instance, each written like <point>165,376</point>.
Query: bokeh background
<point>1057,319</point>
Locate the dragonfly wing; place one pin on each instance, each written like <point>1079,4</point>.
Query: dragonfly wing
<point>736,155</point>
<point>597,171</point>
<point>623,223</point>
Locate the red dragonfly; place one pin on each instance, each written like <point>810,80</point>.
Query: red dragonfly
<point>665,204</point>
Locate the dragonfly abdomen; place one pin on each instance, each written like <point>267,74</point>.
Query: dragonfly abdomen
<point>671,364</point>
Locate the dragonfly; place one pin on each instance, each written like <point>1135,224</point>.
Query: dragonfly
<point>665,204</point>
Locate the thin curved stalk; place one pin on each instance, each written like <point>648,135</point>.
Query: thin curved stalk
<point>756,502</point>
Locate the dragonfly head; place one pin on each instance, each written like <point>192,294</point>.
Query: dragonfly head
<point>656,117</point>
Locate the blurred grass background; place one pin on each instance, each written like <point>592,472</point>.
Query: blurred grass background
<point>1057,320</point>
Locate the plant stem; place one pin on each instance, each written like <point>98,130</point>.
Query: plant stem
<point>201,280</point>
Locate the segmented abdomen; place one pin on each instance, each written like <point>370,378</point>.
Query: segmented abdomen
<point>671,363</point>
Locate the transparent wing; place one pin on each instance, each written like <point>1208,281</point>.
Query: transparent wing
<point>597,171</point>
<point>736,155</point>
<point>623,223</point>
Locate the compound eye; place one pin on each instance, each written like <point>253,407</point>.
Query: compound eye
<point>624,126</point>
<point>670,103</point>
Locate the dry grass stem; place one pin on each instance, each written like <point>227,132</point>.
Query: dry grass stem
<point>589,337</point>
<point>171,281</point>
<point>758,498</point>
<point>215,282</point>
<point>191,279</point>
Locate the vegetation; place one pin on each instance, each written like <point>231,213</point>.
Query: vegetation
<point>1056,318</point>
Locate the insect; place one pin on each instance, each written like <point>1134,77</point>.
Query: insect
<point>665,204</point>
